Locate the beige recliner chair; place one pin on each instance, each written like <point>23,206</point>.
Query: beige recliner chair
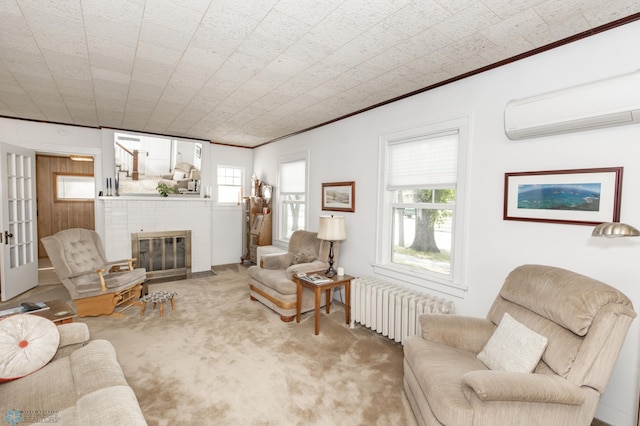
<point>180,177</point>
<point>585,323</point>
<point>271,283</point>
<point>96,285</point>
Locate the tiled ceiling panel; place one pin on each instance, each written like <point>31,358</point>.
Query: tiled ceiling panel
<point>245,72</point>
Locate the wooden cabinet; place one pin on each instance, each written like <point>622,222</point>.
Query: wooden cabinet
<point>257,226</point>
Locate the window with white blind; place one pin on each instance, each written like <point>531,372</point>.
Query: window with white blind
<point>422,204</point>
<point>292,195</point>
<point>229,184</point>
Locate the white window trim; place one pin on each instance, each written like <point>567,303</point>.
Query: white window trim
<point>456,284</point>
<point>297,156</point>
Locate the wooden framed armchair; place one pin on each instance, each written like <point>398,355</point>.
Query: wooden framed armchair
<point>96,285</point>
<point>271,283</point>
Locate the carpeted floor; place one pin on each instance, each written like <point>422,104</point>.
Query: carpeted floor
<point>223,359</point>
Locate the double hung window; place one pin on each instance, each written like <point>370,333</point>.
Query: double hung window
<point>229,184</point>
<point>421,210</point>
<point>292,196</point>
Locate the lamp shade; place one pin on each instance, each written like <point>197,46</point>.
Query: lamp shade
<point>195,174</point>
<point>331,228</point>
<point>615,229</point>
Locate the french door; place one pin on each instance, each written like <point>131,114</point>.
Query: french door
<point>18,235</point>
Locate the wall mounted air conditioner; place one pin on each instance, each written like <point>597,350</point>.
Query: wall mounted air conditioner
<point>611,102</point>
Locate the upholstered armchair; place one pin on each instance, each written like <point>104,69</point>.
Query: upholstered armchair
<point>180,177</point>
<point>580,324</point>
<point>271,283</point>
<point>96,285</point>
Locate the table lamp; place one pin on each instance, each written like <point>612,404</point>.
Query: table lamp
<point>331,229</point>
<point>196,176</point>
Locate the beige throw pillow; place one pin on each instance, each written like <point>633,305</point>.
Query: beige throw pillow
<point>304,256</point>
<point>513,347</point>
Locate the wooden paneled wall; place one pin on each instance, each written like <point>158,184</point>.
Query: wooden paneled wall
<point>56,216</point>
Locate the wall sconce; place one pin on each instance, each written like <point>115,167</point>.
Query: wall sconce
<point>615,230</point>
<point>331,229</point>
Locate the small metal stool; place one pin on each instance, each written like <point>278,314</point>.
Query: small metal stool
<point>158,297</point>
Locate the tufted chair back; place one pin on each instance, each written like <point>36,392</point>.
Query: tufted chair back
<point>74,251</point>
<point>79,260</point>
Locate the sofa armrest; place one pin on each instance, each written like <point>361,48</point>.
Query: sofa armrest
<point>276,261</point>
<point>466,333</point>
<point>524,387</point>
<point>123,262</point>
<point>89,272</point>
<point>316,265</point>
<point>72,336</point>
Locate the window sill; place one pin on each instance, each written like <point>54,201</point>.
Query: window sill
<point>422,280</point>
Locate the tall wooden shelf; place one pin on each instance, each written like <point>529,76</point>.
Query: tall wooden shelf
<point>257,226</point>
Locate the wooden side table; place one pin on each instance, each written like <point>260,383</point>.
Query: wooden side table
<point>336,281</point>
<point>59,312</point>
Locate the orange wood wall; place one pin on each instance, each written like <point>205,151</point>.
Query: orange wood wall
<point>56,216</point>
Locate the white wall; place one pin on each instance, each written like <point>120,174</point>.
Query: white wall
<point>348,150</point>
<point>226,229</point>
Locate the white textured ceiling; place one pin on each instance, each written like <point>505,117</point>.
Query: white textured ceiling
<point>245,72</point>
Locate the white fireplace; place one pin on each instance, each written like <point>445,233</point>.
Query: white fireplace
<point>125,216</point>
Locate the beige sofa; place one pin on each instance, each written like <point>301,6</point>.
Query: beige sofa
<point>271,282</point>
<point>82,385</point>
<point>180,177</point>
<point>585,323</point>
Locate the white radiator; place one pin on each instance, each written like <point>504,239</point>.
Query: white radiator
<point>390,309</point>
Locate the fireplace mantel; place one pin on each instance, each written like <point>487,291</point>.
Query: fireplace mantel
<point>170,197</point>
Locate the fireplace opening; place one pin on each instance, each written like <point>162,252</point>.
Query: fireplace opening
<point>165,255</point>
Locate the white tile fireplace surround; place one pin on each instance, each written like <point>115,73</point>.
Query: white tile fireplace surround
<point>124,216</point>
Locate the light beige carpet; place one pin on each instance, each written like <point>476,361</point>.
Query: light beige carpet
<point>222,359</point>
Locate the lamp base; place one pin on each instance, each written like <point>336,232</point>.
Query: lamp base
<point>330,272</point>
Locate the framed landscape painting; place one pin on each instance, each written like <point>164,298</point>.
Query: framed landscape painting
<point>339,196</point>
<point>579,196</point>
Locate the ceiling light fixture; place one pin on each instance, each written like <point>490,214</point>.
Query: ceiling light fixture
<point>78,157</point>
